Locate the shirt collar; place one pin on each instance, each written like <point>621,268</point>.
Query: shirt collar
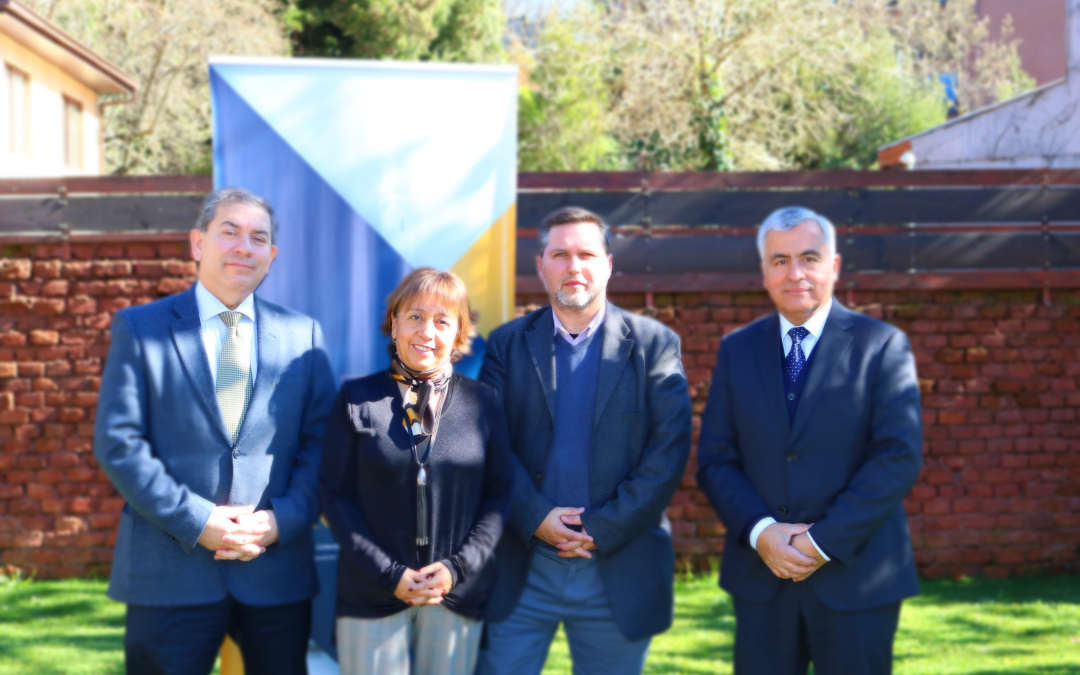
<point>210,306</point>
<point>589,330</point>
<point>814,324</point>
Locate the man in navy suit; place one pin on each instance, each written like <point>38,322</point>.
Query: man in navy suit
<point>810,439</point>
<point>210,423</point>
<point>599,416</point>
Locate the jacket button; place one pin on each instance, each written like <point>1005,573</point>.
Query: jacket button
<point>539,475</point>
<point>783,510</point>
<point>792,457</point>
<point>236,454</point>
<point>791,396</point>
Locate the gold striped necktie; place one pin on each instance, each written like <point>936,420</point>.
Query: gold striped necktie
<point>233,376</point>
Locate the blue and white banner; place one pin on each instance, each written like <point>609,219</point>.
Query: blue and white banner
<point>373,168</point>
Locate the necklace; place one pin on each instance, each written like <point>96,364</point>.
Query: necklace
<point>421,475</point>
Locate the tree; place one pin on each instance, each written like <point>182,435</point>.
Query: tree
<point>779,84</point>
<point>563,105</point>
<point>164,45</point>
<point>406,30</point>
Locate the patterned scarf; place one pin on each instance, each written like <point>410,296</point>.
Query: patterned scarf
<point>419,413</point>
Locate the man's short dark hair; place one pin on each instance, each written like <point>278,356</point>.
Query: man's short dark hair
<point>568,215</point>
<point>234,195</point>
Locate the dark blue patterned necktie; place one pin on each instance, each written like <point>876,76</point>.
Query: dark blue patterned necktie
<point>795,360</point>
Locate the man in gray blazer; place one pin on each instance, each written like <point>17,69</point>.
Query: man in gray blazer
<point>599,416</point>
<point>210,422</point>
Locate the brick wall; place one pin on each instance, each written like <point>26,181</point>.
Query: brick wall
<point>58,512</point>
<point>999,494</point>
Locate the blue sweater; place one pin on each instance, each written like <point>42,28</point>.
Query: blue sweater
<point>577,369</point>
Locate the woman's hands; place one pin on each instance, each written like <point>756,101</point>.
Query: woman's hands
<point>426,586</point>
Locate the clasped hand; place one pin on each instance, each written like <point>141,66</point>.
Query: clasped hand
<point>239,532</point>
<point>425,586</point>
<point>788,551</point>
<point>570,543</point>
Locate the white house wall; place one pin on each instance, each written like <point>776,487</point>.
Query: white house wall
<point>1040,129</point>
<point>48,87</point>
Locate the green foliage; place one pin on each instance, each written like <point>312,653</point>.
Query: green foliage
<point>406,30</point>
<point>1017,626</point>
<point>875,100</point>
<point>711,123</point>
<point>562,111</point>
<point>974,627</point>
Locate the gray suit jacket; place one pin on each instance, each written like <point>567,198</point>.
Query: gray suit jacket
<point>161,440</point>
<point>640,446</point>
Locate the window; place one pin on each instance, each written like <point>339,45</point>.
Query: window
<point>73,140</point>
<point>19,112</point>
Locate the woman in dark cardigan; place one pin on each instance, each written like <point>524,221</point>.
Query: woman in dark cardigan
<point>415,484</point>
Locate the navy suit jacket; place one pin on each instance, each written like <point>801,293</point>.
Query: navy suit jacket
<point>640,445</point>
<point>845,463</point>
<point>161,439</point>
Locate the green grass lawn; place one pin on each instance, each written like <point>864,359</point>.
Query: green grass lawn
<point>977,627</point>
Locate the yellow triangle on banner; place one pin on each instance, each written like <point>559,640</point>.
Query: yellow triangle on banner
<point>488,272</point>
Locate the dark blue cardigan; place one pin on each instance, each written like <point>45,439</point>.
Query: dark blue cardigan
<point>368,483</point>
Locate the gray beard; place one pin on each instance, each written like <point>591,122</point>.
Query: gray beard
<point>575,305</point>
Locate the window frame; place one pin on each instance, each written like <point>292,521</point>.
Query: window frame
<point>14,74</point>
<point>73,148</point>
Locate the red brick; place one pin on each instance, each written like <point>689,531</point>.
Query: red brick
<point>111,269</point>
<point>15,268</point>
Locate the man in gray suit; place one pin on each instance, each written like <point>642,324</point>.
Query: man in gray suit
<point>210,423</point>
<point>599,416</point>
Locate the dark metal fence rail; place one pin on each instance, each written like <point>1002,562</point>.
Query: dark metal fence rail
<point>683,231</point>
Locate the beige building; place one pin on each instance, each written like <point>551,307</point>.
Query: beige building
<point>50,89</point>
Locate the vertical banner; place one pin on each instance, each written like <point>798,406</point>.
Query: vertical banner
<point>374,168</point>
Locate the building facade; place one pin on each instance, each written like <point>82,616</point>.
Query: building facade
<point>51,89</point>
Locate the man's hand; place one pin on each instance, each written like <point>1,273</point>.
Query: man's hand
<point>578,549</point>
<point>802,544</point>
<point>554,532</point>
<point>785,561</point>
<point>257,531</point>
<point>426,586</point>
<point>222,521</point>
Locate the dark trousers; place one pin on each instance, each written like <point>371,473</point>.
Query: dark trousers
<point>782,636</point>
<point>185,640</point>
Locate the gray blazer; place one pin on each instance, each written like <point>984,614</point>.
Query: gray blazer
<point>161,440</point>
<point>640,446</point>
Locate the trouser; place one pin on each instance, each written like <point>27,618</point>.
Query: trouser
<point>783,636</point>
<point>185,640</point>
<point>570,591</point>
<point>426,640</point>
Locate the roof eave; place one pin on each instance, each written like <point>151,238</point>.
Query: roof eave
<point>122,83</point>
<point>975,113</point>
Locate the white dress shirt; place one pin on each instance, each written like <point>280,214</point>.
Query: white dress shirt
<point>214,328</point>
<point>593,326</point>
<point>815,324</point>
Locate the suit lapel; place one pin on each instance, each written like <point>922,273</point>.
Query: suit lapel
<point>540,338</point>
<point>270,365</point>
<point>187,335</point>
<point>833,344</point>
<point>614,352</point>
<point>770,354</point>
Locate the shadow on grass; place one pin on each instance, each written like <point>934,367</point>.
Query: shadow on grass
<point>1061,589</point>
<point>60,627</point>
<point>1053,669</point>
